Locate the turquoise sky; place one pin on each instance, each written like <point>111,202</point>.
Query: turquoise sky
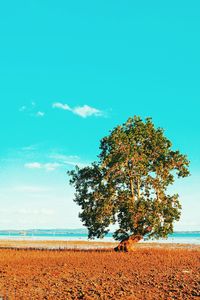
<point>72,70</point>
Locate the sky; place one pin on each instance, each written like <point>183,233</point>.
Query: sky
<point>70,71</point>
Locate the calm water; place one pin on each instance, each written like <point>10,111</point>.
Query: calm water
<point>191,237</point>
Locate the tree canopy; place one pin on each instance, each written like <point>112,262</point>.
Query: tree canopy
<point>128,185</point>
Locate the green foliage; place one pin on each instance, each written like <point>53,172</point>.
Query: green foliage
<point>128,185</point>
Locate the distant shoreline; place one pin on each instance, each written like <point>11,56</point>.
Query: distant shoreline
<point>66,235</point>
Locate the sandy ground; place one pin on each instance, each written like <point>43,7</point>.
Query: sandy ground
<point>80,244</point>
<point>155,272</point>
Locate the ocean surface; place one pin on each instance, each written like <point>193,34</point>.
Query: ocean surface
<point>186,237</point>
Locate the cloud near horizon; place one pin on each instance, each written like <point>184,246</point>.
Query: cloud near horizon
<point>59,161</point>
<point>45,166</point>
<point>31,189</point>
<point>82,111</point>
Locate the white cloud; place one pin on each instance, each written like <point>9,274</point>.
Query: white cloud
<point>31,110</point>
<point>87,111</point>
<point>61,106</point>
<point>82,111</point>
<point>40,114</point>
<point>71,160</point>
<point>29,148</point>
<point>51,166</point>
<point>74,163</point>
<point>33,165</point>
<point>45,166</point>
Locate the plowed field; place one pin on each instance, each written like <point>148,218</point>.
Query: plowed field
<point>143,274</point>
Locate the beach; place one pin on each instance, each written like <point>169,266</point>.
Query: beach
<point>86,244</point>
<point>92,270</point>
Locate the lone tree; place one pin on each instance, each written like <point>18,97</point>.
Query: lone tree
<point>128,185</point>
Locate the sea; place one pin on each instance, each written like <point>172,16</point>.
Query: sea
<point>183,237</point>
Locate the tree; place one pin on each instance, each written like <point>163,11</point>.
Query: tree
<point>128,186</point>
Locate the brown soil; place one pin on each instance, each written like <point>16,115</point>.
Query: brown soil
<point>147,273</point>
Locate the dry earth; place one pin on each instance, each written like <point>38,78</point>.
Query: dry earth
<point>147,273</point>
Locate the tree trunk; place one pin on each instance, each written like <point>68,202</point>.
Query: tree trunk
<point>132,189</point>
<point>128,244</point>
<point>138,188</point>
